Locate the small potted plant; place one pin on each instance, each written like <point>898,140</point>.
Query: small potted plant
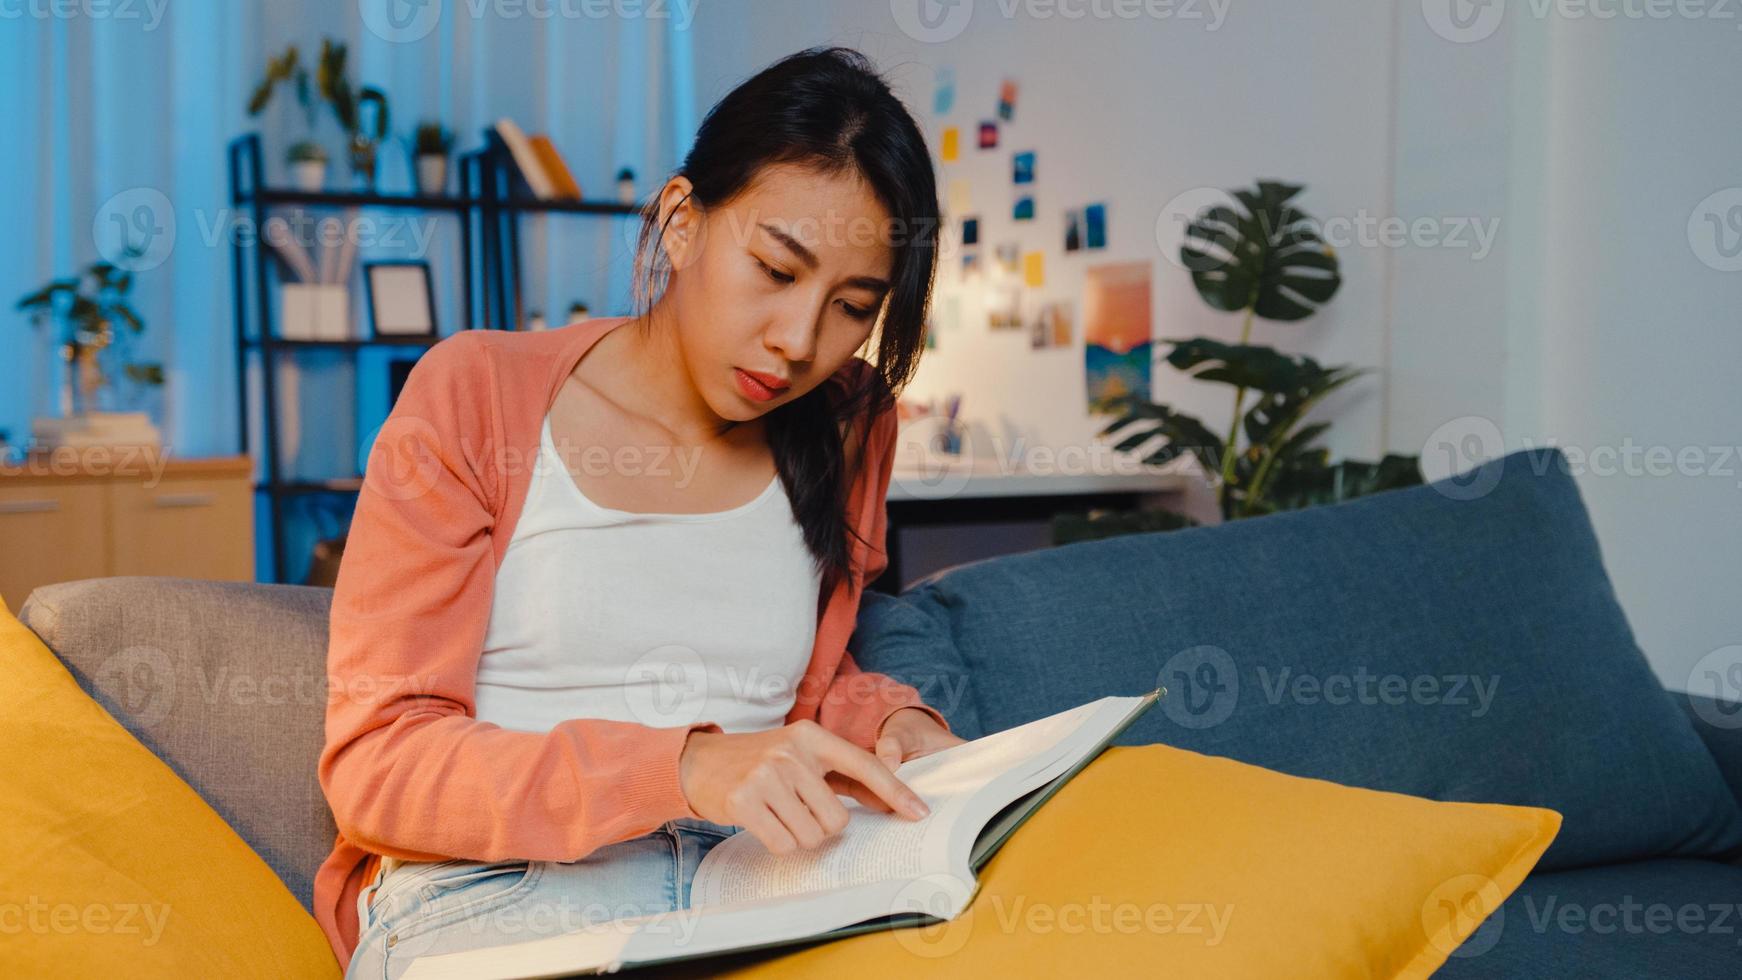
<point>308,165</point>
<point>626,186</point>
<point>430,146</point>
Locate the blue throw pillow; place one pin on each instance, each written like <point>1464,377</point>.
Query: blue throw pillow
<point>911,643</point>
<point>1459,640</point>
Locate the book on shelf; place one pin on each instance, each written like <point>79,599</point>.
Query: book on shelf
<point>563,183</point>
<point>525,158</point>
<point>882,871</point>
<point>540,164</point>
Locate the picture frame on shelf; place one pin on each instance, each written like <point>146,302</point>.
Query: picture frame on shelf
<point>401,298</point>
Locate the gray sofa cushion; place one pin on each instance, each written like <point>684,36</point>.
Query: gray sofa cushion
<point>226,682</point>
<point>1459,641</point>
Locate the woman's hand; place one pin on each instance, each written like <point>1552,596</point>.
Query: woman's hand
<point>910,733</point>
<point>780,784</point>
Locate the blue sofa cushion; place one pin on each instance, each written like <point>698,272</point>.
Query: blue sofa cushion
<point>910,642</point>
<point>1459,641</point>
<point>1661,918</point>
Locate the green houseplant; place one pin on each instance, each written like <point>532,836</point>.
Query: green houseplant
<point>88,307</point>
<point>328,84</point>
<point>1261,257</point>
<point>307,158</point>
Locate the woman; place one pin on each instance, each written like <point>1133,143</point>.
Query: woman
<point>593,612</point>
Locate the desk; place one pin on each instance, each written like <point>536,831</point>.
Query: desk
<point>988,492</point>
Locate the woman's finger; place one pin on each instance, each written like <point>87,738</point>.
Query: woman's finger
<point>797,817</point>
<point>847,786</point>
<point>826,808</point>
<point>767,828</point>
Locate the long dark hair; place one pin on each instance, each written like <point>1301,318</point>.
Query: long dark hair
<point>829,110</point>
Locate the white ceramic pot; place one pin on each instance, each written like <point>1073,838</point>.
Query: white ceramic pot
<point>308,175</point>
<point>432,173</point>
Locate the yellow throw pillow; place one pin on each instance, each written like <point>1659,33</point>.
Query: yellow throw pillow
<point>1156,861</point>
<point>110,864</point>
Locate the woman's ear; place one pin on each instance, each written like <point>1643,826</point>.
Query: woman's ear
<point>682,221</point>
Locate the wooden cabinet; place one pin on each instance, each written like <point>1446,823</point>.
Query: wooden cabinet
<point>92,513</point>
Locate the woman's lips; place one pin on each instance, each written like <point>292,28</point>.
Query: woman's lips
<point>753,387</point>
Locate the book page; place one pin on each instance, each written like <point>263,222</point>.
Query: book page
<point>877,846</point>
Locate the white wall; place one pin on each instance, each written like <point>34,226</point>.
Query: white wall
<point>1131,112</point>
<point>1596,326</point>
<point>1581,145</point>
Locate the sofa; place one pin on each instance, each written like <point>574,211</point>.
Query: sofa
<point>1459,640</point>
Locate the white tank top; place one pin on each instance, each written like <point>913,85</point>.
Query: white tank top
<point>658,619</point>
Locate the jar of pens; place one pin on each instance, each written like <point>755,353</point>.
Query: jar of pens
<point>933,428</point>
<point>314,300</point>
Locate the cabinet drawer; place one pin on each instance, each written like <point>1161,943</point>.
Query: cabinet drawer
<point>49,534</point>
<point>185,528</point>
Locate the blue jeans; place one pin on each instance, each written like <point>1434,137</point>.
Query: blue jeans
<point>428,907</point>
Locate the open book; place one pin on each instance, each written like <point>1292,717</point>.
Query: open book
<point>882,871</point>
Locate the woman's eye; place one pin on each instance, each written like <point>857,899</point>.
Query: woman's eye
<point>774,274</point>
<point>857,313</point>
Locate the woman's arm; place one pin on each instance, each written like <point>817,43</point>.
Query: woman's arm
<point>406,769</point>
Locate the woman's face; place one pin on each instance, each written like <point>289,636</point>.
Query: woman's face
<point>787,281</point>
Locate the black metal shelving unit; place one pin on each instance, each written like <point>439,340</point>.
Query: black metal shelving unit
<point>491,201</point>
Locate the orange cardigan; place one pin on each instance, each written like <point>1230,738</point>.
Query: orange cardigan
<point>407,770</point>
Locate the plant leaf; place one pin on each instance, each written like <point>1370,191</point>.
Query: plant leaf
<point>1264,255</point>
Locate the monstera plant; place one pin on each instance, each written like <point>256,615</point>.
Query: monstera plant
<point>1262,257</point>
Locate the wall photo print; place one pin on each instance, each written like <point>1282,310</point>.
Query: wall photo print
<point>1086,228</point>
<point>1116,331</point>
<point>1051,327</point>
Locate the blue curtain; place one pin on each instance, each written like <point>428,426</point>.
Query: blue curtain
<point>121,121</point>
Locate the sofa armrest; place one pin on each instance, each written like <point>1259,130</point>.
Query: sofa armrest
<point>1719,724</point>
